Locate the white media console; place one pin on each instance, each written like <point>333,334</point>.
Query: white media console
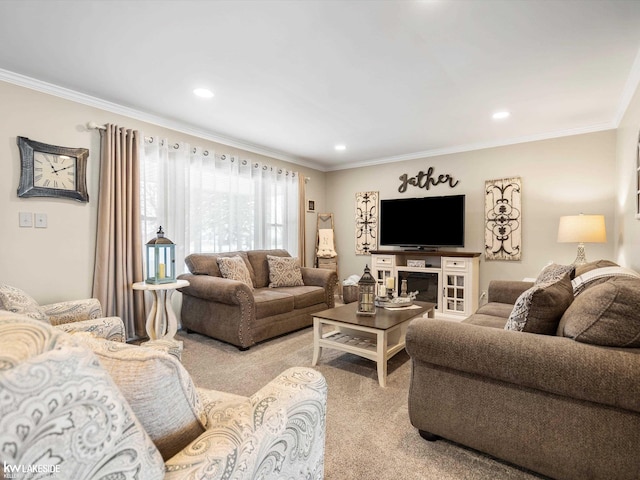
<point>448,279</point>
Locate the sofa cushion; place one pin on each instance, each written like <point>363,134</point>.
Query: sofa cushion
<point>304,296</point>
<point>15,300</point>
<point>207,263</point>
<point>539,309</point>
<point>554,272</point>
<point>606,314</point>
<point>158,389</point>
<point>586,267</point>
<point>496,309</point>
<point>235,268</point>
<point>284,272</point>
<point>269,302</point>
<point>485,320</point>
<point>260,265</point>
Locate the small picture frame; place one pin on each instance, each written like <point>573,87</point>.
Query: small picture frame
<point>311,206</point>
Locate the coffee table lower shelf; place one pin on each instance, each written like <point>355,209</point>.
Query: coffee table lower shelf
<point>372,343</point>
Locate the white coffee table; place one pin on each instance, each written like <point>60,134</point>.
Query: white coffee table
<point>377,338</point>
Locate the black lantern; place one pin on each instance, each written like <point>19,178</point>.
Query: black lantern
<point>161,260</point>
<point>366,293</point>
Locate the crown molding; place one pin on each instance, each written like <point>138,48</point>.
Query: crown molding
<point>84,99</point>
<point>478,146</point>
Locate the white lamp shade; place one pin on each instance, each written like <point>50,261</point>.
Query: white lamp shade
<point>582,229</point>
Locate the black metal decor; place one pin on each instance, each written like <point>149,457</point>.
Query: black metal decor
<point>503,210</point>
<point>366,222</point>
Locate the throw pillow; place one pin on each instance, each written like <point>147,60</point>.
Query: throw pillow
<point>554,272</point>
<point>234,268</point>
<point>606,314</point>
<point>284,272</point>
<point>158,389</point>
<point>540,308</point>
<point>16,301</point>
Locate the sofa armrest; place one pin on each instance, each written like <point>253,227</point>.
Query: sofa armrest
<point>216,289</point>
<point>506,291</point>
<point>109,328</point>
<point>278,432</point>
<point>321,277</point>
<point>557,365</point>
<point>73,311</point>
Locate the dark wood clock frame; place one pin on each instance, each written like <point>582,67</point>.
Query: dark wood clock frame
<point>28,189</point>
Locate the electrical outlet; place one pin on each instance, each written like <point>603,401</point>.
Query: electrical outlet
<point>41,220</point>
<point>25,219</point>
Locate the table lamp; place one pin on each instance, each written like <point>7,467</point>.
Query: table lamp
<point>582,229</point>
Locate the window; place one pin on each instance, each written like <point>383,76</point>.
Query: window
<point>209,202</point>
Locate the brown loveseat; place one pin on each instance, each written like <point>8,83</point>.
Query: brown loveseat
<point>565,404</point>
<point>244,314</point>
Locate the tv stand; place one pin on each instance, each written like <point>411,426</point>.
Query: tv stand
<point>447,278</point>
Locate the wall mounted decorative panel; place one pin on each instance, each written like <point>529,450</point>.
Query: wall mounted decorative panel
<point>503,219</point>
<point>366,222</point>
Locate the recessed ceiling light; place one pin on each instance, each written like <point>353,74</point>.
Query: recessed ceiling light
<point>203,93</point>
<point>501,115</point>
<point>340,147</point>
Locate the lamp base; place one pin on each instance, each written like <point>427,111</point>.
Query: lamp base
<point>581,258</point>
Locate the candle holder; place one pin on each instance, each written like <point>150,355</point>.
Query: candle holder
<point>160,260</point>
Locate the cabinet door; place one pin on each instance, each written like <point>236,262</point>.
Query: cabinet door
<point>455,293</point>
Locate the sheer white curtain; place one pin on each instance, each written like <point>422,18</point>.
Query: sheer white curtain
<point>210,202</point>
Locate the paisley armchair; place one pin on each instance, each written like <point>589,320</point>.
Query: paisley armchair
<point>82,407</point>
<point>70,316</point>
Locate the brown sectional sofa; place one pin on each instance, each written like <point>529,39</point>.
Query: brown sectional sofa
<point>566,405</point>
<point>235,313</point>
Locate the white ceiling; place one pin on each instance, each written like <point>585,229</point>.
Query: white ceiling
<point>391,80</point>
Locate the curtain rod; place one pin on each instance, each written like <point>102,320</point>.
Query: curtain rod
<point>93,125</point>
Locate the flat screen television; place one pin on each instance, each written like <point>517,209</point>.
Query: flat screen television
<point>426,222</point>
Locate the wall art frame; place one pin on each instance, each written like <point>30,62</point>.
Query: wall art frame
<point>366,222</point>
<point>503,219</point>
<point>52,171</point>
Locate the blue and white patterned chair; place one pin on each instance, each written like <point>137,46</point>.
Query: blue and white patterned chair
<point>71,316</point>
<point>82,407</point>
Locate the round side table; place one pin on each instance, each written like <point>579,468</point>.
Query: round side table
<point>162,323</point>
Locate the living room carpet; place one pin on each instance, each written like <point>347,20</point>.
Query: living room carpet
<point>368,431</point>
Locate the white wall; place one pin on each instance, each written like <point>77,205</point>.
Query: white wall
<point>627,228</point>
<point>562,176</point>
<point>56,263</point>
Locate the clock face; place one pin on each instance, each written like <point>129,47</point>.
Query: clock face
<point>54,171</point>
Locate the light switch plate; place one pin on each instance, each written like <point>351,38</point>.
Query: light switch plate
<point>25,219</point>
<point>41,220</point>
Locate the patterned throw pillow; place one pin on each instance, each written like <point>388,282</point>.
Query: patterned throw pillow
<point>16,301</point>
<point>158,389</point>
<point>234,268</point>
<point>554,272</point>
<point>284,272</point>
<point>540,308</point>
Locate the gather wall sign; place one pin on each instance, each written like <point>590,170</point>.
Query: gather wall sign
<point>425,180</point>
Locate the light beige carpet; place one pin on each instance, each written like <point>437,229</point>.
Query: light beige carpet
<point>368,431</point>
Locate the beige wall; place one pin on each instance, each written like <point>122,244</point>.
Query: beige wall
<point>56,263</point>
<point>562,176</point>
<point>627,228</point>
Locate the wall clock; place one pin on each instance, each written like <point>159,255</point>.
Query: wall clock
<point>52,171</point>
